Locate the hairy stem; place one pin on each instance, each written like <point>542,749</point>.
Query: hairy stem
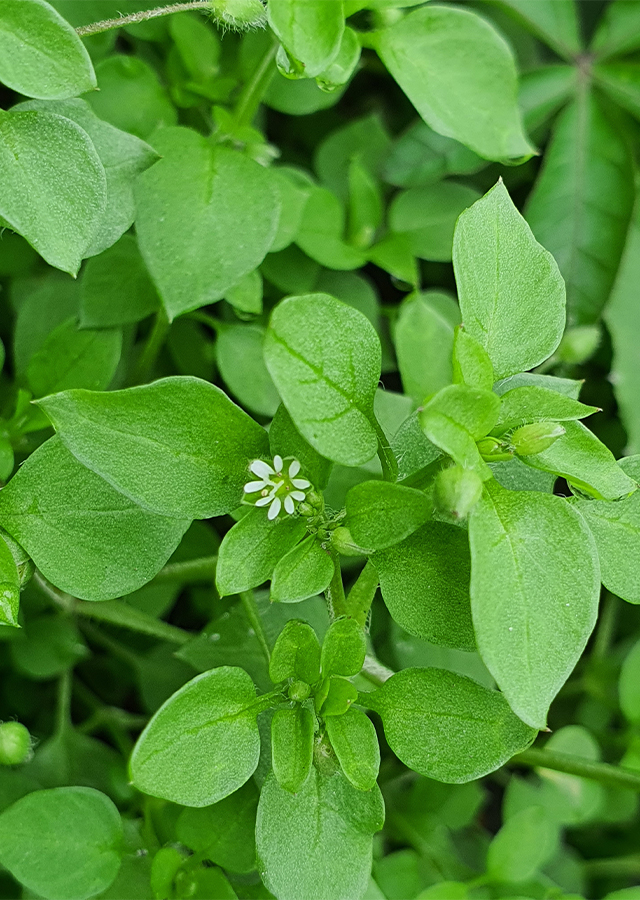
<point>253,615</point>
<point>134,18</point>
<point>385,453</point>
<point>335,592</point>
<point>612,776</point>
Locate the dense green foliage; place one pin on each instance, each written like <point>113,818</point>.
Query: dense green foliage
<point>319,450</point>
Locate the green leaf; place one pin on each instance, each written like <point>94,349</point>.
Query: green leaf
<point>116,288</point>
<point>286,440</point>
<point>553,21</point>
<point>241,364</point>
<point>48,646</point>
<point>585,462</point>
<point>74,358</point>
<point>246,295</point>
<point>425,584</point>
<point>344,648</point>
<point>428,216</point>
<point>623,323</point>
<point>380,514</point>
<point>322,230</point>
<point>424,331</point>
<point>250,551</point>
<point>617,31</point>
<point>54,187</point>
<point>224,832</point>
<point>303,572</point>
<point>535,584</point>
<point>454,66</point>
<point>421,156</point>
<point>84,536</point>
<point>628,685</point>
<point>581,204</point>
<point>177,446</point>
<point>365,205</point>
<point>335,696</point>
<point>544,91</point>
<point>203,743</point>
<point>566,386</point>
<point>40,53</point>
<point>471,363</point>
<point>311,30</point>
<point>413,450</point>
<point>292,746</point>
<point>324,358</point>
<point>616,530</point>
<point>344,64</point>
<point>123,156</point>
<point>508,285</point>
<point>532,403</point>
<point>130,96</point>
<point>364,139</point>
<point>621,82</point>
<point>62,843</point>
<point>9,586</point>
<point>446,726</point>
<point>317,843</point>
<point>206,216</point>
<point>296,654</point>
<point>522,846</point>
<point>355,742</point>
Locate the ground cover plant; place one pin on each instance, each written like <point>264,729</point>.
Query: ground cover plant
<point>319,449</point>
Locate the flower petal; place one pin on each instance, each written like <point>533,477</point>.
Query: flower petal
<point>262,469</point>
<point>278,463</point>
<point>252,486</point>
<point>300,483</point>
<point>294,468</point>
<point>289,505</point>
<point>296,495</point>
<point>274,509</point>
<point>263,501</point>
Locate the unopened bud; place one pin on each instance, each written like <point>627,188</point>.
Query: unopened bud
<point>299,690</point>
<point>342,541</point>
<point>15,744</point>
<point>532,439</point>
<point>493,450</point>
<point>239,15</point>
<point>456,491</point>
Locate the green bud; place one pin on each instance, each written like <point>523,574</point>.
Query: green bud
<point>456,491</point>
<point>493,450</point>
<point>15,744</point>
<point>239,15</point>
<point>299,691</point>
<point>532,439</point>
<point>342,541</point>
<point>578,344</point>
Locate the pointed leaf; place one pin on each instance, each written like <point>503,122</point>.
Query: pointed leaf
<point>303,572</point>
<point>177,446</point>
<point>532,403</point>
<point>508,285</point>
<point>454,66</point>
<point>206,216</point>
<point>446,726</point>
<point>9,586</point>
<point>555,22</point>
<point>423,339</point>
<point>535,584</point>
<point>324,358</point>
<point>311,30</point>
<point>580,206</point>
<point>203,743</point>
<point>84,536</point>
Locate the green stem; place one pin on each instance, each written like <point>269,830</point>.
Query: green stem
<point>362,593</point>
<point>206,319</point>
<point>335,592</point>
<point>254,89</point>
<point>63,710</point>
<point>192,570</point>
<point>151,350</point>
<point>134,18</point>
<point>612,776</point>
<point>385,453</point>
<point>253,615</point>
<point>605,631</point>
<point>375,672</point>
<point>115,612</point>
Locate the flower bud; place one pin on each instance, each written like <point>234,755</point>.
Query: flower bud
<point>493,450</point>
<point>342,541</point>
<point>456,491</point>
<point>299,690</point>
<point>15,744</point>
<point>532,439</point>
<point>240,15</point>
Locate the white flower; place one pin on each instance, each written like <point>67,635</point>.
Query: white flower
<point>278,489</point>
